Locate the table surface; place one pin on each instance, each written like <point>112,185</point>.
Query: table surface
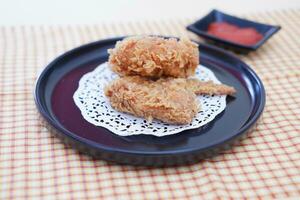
<point>35,164</point>
<point>19,12</point>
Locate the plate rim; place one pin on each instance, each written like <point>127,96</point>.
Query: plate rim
<point>83,141</point>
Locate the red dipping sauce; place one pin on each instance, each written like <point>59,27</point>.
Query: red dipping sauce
<point>230,32</point>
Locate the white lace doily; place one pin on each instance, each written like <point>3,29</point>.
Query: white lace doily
<point>96,109</point>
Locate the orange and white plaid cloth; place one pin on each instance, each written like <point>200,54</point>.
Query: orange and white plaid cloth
<point>34,164</point>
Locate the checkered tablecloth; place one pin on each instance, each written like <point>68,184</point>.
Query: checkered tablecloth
<point>34,164</point>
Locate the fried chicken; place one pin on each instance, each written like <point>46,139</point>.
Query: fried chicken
<point>170,100</point>
<point>154,57</point>
<point>203,88</point>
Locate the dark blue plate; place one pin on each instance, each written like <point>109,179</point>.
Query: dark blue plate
<point>57,83</point>
<point>200,28</point>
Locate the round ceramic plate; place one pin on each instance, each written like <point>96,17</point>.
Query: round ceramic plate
<point>59,80</point>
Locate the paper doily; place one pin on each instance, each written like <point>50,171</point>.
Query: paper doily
<point>96,109</point>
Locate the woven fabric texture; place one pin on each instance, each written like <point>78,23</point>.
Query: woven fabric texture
<point>35,164</point>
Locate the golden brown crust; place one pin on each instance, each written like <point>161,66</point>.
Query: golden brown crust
<point>149,99</point>
<point>171,100</point>
<point>154,57</point>
<point>203,88</point>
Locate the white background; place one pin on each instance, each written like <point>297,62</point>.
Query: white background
<point>19,12</point>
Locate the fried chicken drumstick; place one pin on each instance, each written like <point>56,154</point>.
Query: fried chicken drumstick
<point>154,57</point>
<point>170,100</point>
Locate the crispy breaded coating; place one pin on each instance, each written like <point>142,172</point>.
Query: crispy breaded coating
<point>205,88</point>
<point>149,99</point>
<point>154,57</point>
<point>170,100</point>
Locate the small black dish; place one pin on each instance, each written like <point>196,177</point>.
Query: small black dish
<point>59,80</point>
<point>200,28</point>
